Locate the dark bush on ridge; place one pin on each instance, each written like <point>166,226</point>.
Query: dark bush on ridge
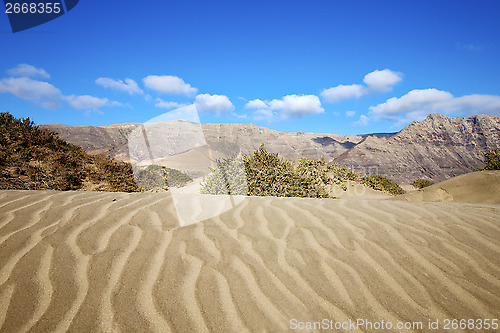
<point>491,159</point>
<point>421,183</point>
<point>382,183</point>
<point>33,158</point>
<point>159,177</point>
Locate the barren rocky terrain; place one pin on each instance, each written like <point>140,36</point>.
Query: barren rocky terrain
<point>436,148</point>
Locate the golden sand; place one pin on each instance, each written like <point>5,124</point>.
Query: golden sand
<point>117,262</point>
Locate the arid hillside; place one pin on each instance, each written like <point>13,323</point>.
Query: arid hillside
<point>436,148</point>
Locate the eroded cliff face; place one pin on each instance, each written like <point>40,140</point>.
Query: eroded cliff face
<point>222,139</point>
<point>436,148</point>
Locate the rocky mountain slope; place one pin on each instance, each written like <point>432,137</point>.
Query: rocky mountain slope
<point>223,139</point>
<point>436,148</point>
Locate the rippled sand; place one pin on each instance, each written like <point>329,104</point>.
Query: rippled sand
<point>91,262</point>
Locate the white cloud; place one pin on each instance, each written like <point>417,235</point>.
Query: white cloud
<point>376,81</point>
<point>290,106</point>
<point>418,99</point>
<point>168,105</point>
<point>256,104</point>
<point>350,113</point>
<point>297,106</point>
<point>39,92</point>
<point>86,102</point>
<point>129,86</point>
<point>341,92</point>
<point>45,94</point>
<point>474,104</point>
<point>418,103</point>
<point>382,81</point>
<point>170,85</point>
<point>28,71</point>
<point>363,120</point>
<point>217,104</point>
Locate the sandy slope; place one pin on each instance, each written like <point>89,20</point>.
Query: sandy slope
<point>83,262</point>
<point>474,187</point>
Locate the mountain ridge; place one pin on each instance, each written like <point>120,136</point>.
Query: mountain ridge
<point>436,148</point>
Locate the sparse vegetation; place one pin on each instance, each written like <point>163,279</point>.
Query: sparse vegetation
<point>421,183</point>
<point>266,174</point>
<point>159,177</point>
<point>491,159</point>
<point>227,178</point>
<point>262,174</point>
<point>33,158</point>
<point>269,175</point>
<point>382,183</point>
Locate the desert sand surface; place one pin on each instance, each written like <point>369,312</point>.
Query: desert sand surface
<point>475,187</point>
<point>357,191</point>
<point>118,262</point>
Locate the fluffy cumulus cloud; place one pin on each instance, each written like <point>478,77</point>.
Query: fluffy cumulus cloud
<point>418,103</point>
<point>256,104</point>
<point>170,85</point>
<point>376,81</point>
<point>89,103</point>
<point>22,84</point>
<point>128,85</point>
<point>217,104</point>
<point>290,106</point>
<point>341,92</point>
<point>350,113</point>
<point>168,105</point>
<point>28,71</point>
<point>39,92</point>
<point>382,81</point>
<point>363,120</point>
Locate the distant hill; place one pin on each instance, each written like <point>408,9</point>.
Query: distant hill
<point>33,158</point>
<point>475,187</point>
<point>436,148</point>
<point>223,138</point>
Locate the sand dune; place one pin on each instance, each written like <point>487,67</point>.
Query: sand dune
<point>110,262</point>
<point>474,187</point>
<point>357,191</point>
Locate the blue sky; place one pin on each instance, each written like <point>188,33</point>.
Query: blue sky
<point>345,67</point>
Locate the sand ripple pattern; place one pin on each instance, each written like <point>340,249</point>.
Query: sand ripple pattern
<point>117,262</point>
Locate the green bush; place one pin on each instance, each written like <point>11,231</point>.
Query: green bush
<point>227,178</point>
<point>382,183</point>
<point>35,158</point>
<point>270,175</point>
<point>176,178</point>
<point>266,174</point>
<point>159,177</point>
<point>262,174</point>
<point>421,183</point>
<point>491,159</point>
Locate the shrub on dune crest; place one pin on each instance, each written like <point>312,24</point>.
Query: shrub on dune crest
<point>421,183</point>
<point>159,177</point>
<point>382,183</point>
<point>491,159</point>
<point>266,174</point>
<point>261,174</point>
<point>32,158</point>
